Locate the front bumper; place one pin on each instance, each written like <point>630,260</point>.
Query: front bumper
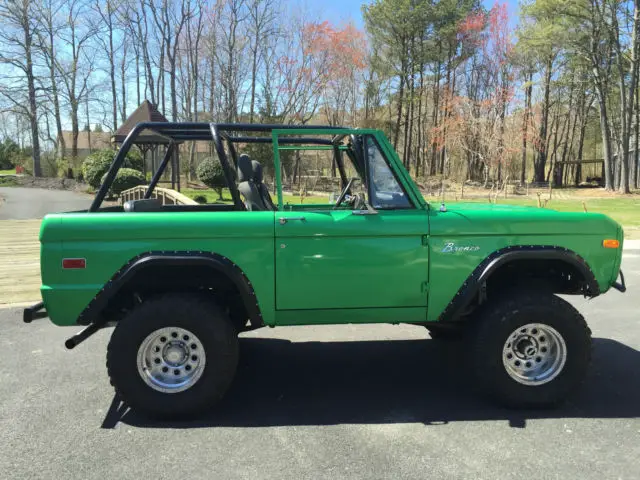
<point>620,286</point>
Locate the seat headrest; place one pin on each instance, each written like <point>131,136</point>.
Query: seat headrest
<point>257,171</point>
<point>245,171</point>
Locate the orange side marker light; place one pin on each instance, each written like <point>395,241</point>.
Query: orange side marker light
<point>609,243</point>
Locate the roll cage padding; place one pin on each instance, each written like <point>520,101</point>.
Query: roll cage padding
<point>217,263</point>
<point>491,264</point>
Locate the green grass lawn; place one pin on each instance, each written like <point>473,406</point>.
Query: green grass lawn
<point>8,172</point>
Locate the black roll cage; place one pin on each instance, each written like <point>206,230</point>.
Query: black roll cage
<point>218,133</point>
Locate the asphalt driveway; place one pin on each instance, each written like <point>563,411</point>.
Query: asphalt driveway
<point>352,402</point>
<point>21,203</point>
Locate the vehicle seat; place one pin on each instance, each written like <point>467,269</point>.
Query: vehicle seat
<point>262,188</point>
<point>246,185</point>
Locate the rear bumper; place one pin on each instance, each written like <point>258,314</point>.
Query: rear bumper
<point>621,286</point>
<point>34,312</point>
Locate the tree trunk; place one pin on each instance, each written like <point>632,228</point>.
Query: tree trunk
<point>74,130</point>
<point>525,125</point>
<point>33,107</point>
<point>633,170</point>
<point>396,134</point>
<point>112,74</point>
<point>541,160</point>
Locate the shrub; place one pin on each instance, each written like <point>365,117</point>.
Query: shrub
<point>210,173</point>
<point>97,164</point>
<point>201,199</point>
<point>125,179</point>
<point>9,154</point>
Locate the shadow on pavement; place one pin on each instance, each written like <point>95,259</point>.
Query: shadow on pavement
<point>414,381</point>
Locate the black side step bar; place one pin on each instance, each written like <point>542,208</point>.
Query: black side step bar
<point>82,335</point>
<point>34,312</point>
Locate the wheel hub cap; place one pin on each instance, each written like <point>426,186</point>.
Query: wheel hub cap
<point>171,360</point>
<point>534,354</point>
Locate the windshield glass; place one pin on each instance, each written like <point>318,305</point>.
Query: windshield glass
<point>386,191</point>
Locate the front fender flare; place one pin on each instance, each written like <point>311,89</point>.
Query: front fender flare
<point>497,259</point>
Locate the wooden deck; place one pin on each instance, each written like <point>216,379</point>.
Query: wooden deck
<point>19,261</point>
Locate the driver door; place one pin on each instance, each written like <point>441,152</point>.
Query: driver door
<point>328,259</point>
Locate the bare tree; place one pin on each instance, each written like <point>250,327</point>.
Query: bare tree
<point>106,10</point>
<point>262,15</point>
<point>171,16</point>
<point>17,36</point>
<point>77,68</point>
<point>48,32</point>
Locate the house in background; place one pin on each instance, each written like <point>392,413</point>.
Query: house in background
<point>99,140</point>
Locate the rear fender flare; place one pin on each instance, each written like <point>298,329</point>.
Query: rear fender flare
<point>218,263</point>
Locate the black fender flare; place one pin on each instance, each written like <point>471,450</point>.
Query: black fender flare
<point>219,263</point>
<point>497,259</point>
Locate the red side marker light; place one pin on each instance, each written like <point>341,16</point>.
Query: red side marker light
<point>74,263</point>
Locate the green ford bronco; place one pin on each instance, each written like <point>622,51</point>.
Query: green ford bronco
<point>180,282</point>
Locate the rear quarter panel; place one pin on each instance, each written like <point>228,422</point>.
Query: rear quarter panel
<point>110,240</point>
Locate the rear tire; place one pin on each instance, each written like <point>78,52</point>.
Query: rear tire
<point>530,350</point>
<point>173,356</point>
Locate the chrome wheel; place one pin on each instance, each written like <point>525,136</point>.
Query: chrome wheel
<point>534,354</point>
<point>171,360</point>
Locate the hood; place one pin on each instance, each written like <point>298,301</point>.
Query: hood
<point>495,219</point>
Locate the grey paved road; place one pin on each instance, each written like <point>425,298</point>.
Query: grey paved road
<point>355,402</point>
<point>20,203</point>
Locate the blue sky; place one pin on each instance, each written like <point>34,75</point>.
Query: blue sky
<point>343,11</point>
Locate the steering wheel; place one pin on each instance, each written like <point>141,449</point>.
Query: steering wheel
<point>344,192</point>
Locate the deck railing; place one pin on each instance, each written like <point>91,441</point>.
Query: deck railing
<point>168,196</point>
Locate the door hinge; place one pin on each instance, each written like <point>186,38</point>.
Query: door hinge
<point>425,240</point>
<point>424,287</point>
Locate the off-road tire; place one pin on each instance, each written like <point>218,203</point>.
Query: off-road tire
<point>499,319</point>
<point>194,313</point>
<point>445,334</point>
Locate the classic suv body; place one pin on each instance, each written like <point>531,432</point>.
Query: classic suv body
<point>331,267</point>
<point>180,282</point>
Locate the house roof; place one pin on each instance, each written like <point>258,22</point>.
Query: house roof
<point>99,140</point>
<point>146,112</point>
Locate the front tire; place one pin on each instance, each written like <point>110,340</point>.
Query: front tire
<point>530,350</point>
<point>173,356</point>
